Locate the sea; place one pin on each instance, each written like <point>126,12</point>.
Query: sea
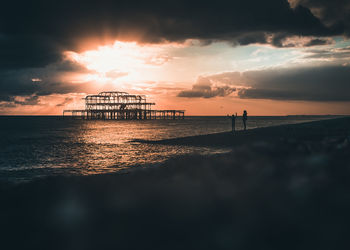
<point>41,146</point>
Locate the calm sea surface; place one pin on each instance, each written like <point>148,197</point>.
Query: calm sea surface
<point>41,146</point>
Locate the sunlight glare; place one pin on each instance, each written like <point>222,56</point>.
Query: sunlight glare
<point>127,60</point>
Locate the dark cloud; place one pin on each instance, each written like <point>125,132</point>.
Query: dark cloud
<point>317,41</point>
<point>338,54</point>
<point>22,51</point>
<point>283,39</point>
<point>293,95</point>
<point>34,33</point>
<point>254,37</point>
<point>320,83</point>
<point>40,81</point>
<point>12,101</point>
<point>323,83</point>
<point>203,88</point>
<point>334,14</point>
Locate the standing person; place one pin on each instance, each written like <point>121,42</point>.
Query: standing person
<point>245,117</point>
<point>233,123</point>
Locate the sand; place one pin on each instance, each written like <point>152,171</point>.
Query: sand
<point>284,187</point>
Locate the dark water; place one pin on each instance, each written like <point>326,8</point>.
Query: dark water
<point>41,146</point>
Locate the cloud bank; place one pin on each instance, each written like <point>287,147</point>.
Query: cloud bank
<point>34,33</point>
<point>320,83</point>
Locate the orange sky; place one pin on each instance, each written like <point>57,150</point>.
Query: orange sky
<point>162,71</point>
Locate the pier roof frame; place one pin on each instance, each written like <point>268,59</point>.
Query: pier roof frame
<point>122,103</point>
<point>108,95</point>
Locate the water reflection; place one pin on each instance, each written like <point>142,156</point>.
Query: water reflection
<point>106,147</point>
<point>42,146</point>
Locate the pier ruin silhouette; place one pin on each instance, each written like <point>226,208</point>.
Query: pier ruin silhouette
<point>114,105</point>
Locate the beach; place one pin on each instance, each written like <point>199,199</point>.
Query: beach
<point>280,187</point>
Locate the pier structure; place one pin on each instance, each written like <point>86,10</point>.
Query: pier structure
<point>115,105</point>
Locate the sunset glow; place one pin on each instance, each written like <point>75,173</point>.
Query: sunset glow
<point>128,61</point>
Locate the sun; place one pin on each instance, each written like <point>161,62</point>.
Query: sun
<point>129,61</point>
<point>120,56</point>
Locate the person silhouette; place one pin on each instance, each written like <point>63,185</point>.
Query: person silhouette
<point>233,123</point>
<point>245,117</point>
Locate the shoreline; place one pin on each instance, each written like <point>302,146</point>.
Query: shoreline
<point>335,126</point>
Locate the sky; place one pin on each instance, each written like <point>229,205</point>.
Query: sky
<point>276,57</point>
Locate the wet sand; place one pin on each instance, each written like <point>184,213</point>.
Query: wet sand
<point>284,187</point>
